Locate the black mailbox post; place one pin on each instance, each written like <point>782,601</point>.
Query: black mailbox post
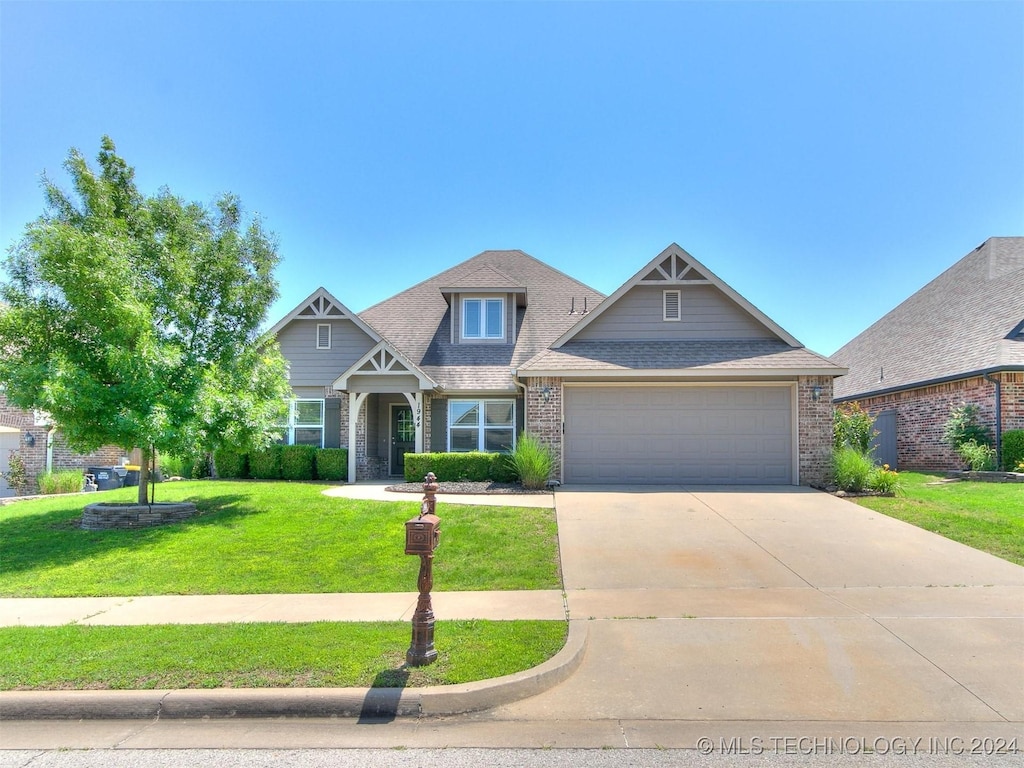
<point>422,535</point>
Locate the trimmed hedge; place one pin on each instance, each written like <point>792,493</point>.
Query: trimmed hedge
<point>1013,448</point>
<point>266,464</point>
<point>332,464</point>
<point>475,466</point>
<point>230,464</point>
<point>297,462</point>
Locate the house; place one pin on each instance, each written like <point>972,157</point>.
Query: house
<point>674,378</point>
<point>959,340</point>
<point>40,447</point>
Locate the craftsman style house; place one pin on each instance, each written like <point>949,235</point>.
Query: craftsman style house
<point>958,340</point>
<point>673,379</point>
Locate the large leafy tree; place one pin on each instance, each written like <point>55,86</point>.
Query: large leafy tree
<point>134,321</point>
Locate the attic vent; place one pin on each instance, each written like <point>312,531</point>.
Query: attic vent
<point>323,336</point>
<point>671,305</point>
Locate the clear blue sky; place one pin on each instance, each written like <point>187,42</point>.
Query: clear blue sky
<point>824,159</point>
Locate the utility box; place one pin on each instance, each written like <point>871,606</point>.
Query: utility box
<point>422,535</point>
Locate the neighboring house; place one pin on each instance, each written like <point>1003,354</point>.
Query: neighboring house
<point>674,378</point>
<point>40,447</point>
<point>958,340</point>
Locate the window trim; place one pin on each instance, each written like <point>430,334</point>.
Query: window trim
<point>484,327</point>
<point>318,327</point>
<point>679,305</point>
<point>293,423</point>
<point>482,427</point>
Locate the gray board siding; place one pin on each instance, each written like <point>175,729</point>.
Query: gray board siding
<point>383,383</point>
<point>706,313</point>
<point>310,366</point>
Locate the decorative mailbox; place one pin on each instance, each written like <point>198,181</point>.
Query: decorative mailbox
<point>422,534</point>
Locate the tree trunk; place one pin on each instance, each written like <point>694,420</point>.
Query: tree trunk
<point>147,456</point>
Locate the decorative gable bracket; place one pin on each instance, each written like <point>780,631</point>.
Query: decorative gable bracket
<point>384,360</point>
<point>674,270</point>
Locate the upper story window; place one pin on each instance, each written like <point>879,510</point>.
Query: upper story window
<point>323,335</point>
<point>483,318</point>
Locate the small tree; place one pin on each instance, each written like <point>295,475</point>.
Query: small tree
<point>134,321</point>
<point>962,426</point>
<point>852,427</point>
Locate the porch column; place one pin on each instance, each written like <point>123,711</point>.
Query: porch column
<point>355,402</point>
<point>416,403</point>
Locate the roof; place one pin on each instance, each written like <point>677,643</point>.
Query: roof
<point>417,320</point>
<point>718,358</point>
<point>965,321</point>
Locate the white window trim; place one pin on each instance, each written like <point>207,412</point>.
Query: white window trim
<point>483,318</point>
<point>318,327</point>
<point>293,424</point>
<point>481,427</point>
<point>679,305</point>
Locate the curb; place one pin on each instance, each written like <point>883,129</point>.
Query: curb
<point>370,703</point>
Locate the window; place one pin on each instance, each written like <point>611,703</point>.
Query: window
<point>481,425</point>
<point>305,423</point>
<point>483,318</point>
<point>671,305</point>
<point>323,335</point>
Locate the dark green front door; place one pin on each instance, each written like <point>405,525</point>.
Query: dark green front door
<point>403,437</point>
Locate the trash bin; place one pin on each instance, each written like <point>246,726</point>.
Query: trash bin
<point>131,478</point>
<point>107,478</point>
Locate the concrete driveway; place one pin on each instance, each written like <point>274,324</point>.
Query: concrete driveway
<point>779,605</point>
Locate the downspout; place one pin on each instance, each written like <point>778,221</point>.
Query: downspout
<point>526,400</point>
<point>999,417</point>
<point>49,448</point>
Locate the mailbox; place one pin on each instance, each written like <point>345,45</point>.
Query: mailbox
<point>422,534</point>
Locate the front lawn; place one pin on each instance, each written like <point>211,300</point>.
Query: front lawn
<point>986,516</point>
<point>268,537</point>
<point>323,654</point>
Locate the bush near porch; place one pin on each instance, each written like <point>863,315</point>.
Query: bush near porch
<point>474,466</point>
<point>283,462</point>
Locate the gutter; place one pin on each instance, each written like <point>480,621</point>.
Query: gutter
<point>983,373</point>
<point>999,417</point>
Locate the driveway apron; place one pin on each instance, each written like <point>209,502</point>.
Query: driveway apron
<point>769,604</point>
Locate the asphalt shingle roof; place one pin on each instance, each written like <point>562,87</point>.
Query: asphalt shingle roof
<point>417,321</point>
<point>961,322</point>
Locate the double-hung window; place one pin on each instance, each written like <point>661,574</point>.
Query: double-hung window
<point>481,425</point>
<point>305,423</point>
<point>483,318</point>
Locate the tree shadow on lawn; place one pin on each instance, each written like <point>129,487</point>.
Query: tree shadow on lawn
<point>56,538</point>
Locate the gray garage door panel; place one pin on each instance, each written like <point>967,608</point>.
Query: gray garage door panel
<point>668,435</point>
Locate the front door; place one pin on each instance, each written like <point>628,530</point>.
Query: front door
<point>403,437</point>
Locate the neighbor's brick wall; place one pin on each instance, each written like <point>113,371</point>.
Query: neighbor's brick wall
<point>814,429</point>
<point>544,420</point>
<point>921,415</point>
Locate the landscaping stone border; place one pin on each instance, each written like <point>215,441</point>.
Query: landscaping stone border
<point>106,516</point>
<point>988,477</point>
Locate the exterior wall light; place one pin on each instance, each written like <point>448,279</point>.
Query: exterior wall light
<point>815,393</point>
<point>30,439</point>
<point>545,395</point>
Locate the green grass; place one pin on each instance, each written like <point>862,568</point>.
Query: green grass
<point>986,516</point>
<point>314,655</point>
<point>268,537</point>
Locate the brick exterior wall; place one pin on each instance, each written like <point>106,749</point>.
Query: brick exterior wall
<point>814,429</point>
<point>63,457</point>
<point>921,415</point>
<point>544,419</point>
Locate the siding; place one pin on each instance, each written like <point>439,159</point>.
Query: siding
<point>706,313</point>
<point>310,366</point>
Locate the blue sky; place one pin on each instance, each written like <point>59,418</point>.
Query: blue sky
<point>825,159</point>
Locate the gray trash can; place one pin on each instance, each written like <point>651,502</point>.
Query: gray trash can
<point>108,478</point>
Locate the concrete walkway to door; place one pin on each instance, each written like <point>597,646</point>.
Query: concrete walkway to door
<point>766,605</point>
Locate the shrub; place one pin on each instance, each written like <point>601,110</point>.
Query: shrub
<point>962,427</point>
<point>532,462</point>
<point>297,462</point>
<point>475,466</point>
<point>16,474</point>
<point>979,457</point>
<point>1013,448</point>
<point>884,480</point>
<point>851,469</point>
<point>61,481</point>
<point>332,464</point>
<point>266,464</point>
<point>173,466</point>
<point>852,427</point>
<point>230,463</point>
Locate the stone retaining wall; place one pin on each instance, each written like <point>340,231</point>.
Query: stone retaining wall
<point>98,517</point>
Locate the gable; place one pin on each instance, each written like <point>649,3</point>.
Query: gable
<point>705,307</point>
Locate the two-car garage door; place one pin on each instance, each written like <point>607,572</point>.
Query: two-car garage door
<point>679,434</point>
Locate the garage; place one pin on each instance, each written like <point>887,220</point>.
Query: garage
<point>693,435</point>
